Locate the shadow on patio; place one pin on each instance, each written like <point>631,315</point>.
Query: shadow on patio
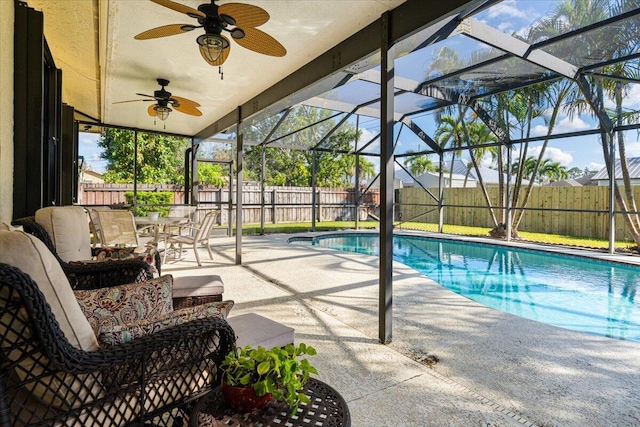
<point>493,368</point>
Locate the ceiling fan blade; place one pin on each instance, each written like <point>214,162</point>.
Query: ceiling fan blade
<point>188,109</point>
<point>148,96</point>
<point>245,15</point>
<point>132,100</point>
<point>164,31</point>
<point>184,101</point>
<point>223,56</point>
<point>151,110</point>
<point>261,42</point>
<point>194,13</point>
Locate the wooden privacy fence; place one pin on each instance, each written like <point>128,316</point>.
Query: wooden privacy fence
<point>282,204</point>
<point>109,194</point>
<point>475,212</point>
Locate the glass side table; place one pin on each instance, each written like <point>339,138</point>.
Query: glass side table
<point>327,408</point>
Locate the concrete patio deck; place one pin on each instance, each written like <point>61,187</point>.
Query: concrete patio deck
<point>492,369</point>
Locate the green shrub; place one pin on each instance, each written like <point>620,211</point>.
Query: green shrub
<point>151,201</point>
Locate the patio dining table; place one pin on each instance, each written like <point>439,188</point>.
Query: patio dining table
<point>158,224</point>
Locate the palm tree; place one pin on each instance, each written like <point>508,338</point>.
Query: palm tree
<point>547,171</point>
<point>450,132</point>
<point>551,171</point>
<point>573,14</point>
<point>524,169</point>
<point>419,164</point>
<point>367,169</point>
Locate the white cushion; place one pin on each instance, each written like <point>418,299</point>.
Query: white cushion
<point>255,330</point>
<point>31,256</point>
<point>68,227</point>
<point>8,227</point>
<point>197,286</point>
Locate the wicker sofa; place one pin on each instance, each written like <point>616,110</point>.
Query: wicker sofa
<point>55,371</point>
<point>65,231</point>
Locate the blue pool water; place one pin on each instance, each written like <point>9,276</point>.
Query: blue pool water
<point>570,292</point>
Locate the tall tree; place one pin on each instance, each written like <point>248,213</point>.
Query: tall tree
<point>574,14</point>
<point>335,161</point>
<point>160,158</point>
<point>450,134</point>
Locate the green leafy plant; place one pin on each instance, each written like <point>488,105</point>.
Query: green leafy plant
<point>279,371</point>
<point>151,201</point>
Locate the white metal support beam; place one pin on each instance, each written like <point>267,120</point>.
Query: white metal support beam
<point>345,107</point>
<point>402,83</point>
<point>493,37</point>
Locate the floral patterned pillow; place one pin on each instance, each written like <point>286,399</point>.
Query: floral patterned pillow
<point>121,334</point>
<point>125,304</point>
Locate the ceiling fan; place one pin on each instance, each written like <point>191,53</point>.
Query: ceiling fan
<point>238,19</point>
<point>164,102</point>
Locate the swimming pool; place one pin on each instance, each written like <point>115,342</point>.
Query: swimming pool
<point>582,294</point>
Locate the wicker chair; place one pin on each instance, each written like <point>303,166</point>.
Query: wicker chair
<point>53,372</point>
<point>92,275</point>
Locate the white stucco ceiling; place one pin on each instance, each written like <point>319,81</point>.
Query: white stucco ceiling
<point>93,43</point>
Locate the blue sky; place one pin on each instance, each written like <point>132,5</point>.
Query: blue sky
<point>88,148</point>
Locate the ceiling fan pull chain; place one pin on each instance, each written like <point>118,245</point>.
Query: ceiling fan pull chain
<point>221,73</point>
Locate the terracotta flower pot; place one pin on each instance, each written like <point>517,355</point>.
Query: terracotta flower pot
<point>244,399</point>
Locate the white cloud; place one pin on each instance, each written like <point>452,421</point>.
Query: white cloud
<point>88,138</point>
<point>631,99</point>
<point>563,126</point>
<point>553,154</point>
<point>365,137</point>
<point>511,17</point>
<point>593,166</point>
<point>487,161</point>
<point>539,130</point>
<point>632,149</point>
<point>508,8</point>
<point>505,27</point>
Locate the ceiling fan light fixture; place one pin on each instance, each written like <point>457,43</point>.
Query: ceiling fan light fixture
<point>237,33</point>
<point>162,112</point>
<point>212,45</point>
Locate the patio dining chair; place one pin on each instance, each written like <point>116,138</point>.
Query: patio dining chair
<point>186,216</point>
<point>114,357</point>
<point>118,228</point>
<point>94,225</point>
<point>195,235</point>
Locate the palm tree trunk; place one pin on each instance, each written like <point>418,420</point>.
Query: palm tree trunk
<point>624,166</point>
<point>484,189</point>
<point>501,191</point>
<point>466,176</point>
<point>453,157</point>
<point>616,189</point>
<point>472,154</point>
<point>552,122</point>
<point>523,157</point>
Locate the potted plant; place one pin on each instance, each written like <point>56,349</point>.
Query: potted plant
<point>257,373</point>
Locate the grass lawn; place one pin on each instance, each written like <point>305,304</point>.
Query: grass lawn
<point>554,239</point>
